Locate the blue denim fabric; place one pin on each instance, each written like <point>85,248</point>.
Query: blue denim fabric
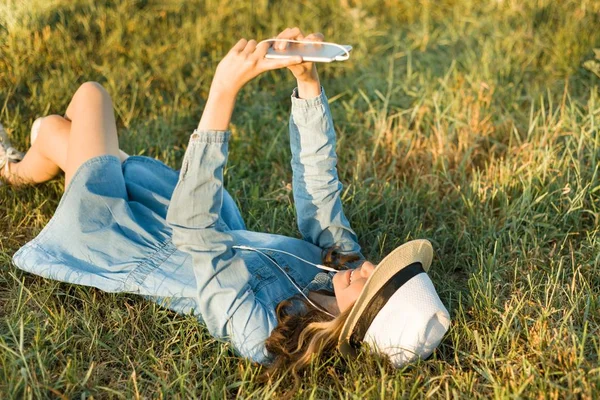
<point>143,228</point>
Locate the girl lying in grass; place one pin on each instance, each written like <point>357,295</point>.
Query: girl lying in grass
<point>132,224</point>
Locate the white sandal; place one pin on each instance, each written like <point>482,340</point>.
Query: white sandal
<point>8,154</point>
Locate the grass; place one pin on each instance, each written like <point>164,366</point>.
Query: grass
<point>471,123</point>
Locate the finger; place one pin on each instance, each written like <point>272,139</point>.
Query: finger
<point>289,33</point>
<point>250,47</point>
<point>261,49</point>
<point>283,33</point>
<point>239,46</point>
<point>280,63</point>
<point>316,37</point>
<point>270,42</point>
<point>281,45</point>
<point>295,31</point>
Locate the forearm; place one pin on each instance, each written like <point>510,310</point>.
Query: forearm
<point>317,189</point>
<point>219,109</point>
<point>310,86</point>
<point>197,199</point>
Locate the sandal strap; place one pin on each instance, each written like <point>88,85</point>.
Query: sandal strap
<point>3,169</point>
<point>10,155</point>
<point>13,155</point>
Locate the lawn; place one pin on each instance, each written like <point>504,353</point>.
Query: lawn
<point>475,124</point>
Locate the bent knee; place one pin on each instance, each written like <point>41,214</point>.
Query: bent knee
<point>52,122</point>
<point>92,90</point>
<point>54,127</point>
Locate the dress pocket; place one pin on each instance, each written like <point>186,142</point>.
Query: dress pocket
<point>265,280</point>
<point>261,276</point>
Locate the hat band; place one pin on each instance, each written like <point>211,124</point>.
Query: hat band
<point>380,300</point>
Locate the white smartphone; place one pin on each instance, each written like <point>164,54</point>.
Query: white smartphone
<point>310,52</point>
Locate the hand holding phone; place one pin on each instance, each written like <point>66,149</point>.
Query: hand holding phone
<point>306,71</point>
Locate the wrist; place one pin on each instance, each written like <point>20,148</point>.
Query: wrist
<point>222,89</point>
<point>309,77</point>
<point>309,89</point>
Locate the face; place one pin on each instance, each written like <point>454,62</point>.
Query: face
<point>348,284</point>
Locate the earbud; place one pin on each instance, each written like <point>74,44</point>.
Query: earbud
<point>323,267</point>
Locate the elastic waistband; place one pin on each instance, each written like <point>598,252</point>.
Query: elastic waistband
<point>136,278</point>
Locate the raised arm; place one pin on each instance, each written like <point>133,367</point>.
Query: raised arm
<point>317,189</point>
<point>226,302</point>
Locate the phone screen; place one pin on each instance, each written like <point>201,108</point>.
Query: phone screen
<point>309,52</point>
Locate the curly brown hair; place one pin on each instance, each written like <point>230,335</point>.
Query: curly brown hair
<point>298,338</point>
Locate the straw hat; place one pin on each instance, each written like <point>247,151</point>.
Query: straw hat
<point>398,312</point>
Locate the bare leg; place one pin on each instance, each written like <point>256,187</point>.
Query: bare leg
<point>46,157</point>
<point>64,144</point>
<point>93,127</point>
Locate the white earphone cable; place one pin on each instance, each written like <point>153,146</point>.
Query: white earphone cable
<point>258,250</point>
<point>323,267</point>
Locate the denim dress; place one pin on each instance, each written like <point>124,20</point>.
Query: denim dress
<point>175,237</point>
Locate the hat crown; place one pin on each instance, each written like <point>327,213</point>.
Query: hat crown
<point>407,323</point>
<point>411,324</point>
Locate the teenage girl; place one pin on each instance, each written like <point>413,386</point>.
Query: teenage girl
<point>132,224</point>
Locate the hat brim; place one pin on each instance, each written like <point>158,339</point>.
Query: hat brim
<point>415,251</point>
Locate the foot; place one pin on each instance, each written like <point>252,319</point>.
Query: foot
<point>8,154</point>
